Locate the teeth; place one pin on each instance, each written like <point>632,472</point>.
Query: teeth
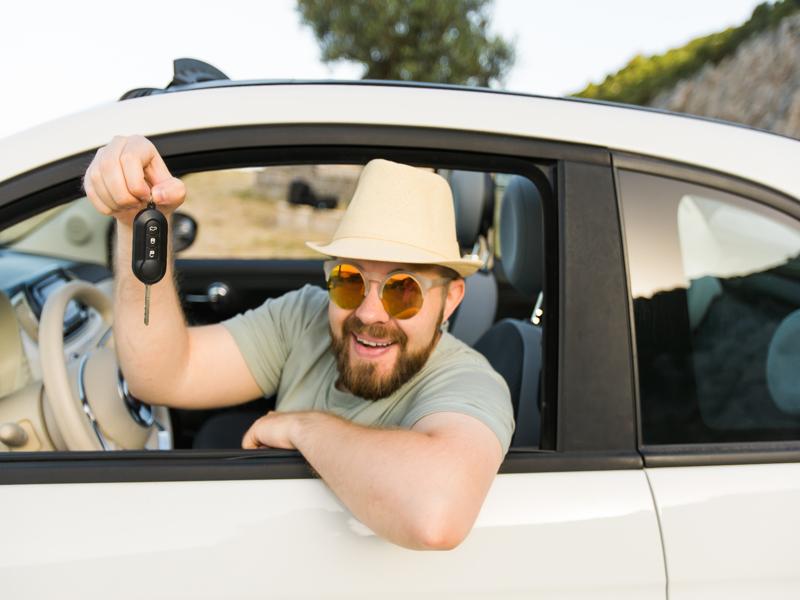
<point>373,344</point>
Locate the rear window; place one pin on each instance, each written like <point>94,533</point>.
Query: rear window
<point>715,280</point>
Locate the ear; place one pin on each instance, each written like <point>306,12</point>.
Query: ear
<point>455,294</point>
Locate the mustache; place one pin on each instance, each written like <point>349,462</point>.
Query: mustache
<point>355,325</point>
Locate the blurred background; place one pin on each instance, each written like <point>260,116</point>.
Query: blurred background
<point>737,60</point>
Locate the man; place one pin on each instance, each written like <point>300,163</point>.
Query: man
<point>407,426</point>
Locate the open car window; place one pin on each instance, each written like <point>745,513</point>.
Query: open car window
<point>251,225</point>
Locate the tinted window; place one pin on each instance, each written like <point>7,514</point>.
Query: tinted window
<point>715,280</point>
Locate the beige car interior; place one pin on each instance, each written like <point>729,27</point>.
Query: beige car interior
<point>68,394</point>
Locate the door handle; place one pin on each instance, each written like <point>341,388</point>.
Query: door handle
<point>217,294</point>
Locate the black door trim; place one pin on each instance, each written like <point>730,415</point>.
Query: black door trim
<point>697,455</point>
<point>197,465</point>
<point>596,401</point>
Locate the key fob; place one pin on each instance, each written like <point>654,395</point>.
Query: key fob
<point>149,257</point>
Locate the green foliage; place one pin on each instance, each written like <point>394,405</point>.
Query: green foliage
<point>645,77</point>
<point>443,41</point>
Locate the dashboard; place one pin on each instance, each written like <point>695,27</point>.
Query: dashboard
<point>26,281</point>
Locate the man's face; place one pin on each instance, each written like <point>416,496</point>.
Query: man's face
<point>377,372</point>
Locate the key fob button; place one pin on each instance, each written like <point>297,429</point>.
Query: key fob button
<point>152,241</point>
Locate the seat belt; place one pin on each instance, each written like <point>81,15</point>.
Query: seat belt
<point>528,426</point>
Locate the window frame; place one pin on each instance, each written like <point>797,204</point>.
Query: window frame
<point>701,454</point>
<point>590,420</point>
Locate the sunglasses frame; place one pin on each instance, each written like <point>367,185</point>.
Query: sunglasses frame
<point>425,283</point>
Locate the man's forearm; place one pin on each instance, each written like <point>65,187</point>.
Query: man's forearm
<point>151,357</point>
<point>401,483</point>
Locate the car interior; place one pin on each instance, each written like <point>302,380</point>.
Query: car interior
<point>238,241</point>
<point>716,314</point>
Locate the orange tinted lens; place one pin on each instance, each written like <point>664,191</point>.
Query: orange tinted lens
<point>346,286</point>
<point>402,296</point>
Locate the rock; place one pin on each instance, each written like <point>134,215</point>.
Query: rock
<point>759,85</point>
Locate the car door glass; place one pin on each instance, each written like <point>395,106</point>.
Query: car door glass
<point>715,281</point>
<point>267,212</point>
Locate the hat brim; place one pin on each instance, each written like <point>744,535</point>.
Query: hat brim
<point>388,251</point>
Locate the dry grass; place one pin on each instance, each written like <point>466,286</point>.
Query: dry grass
<point>237,219</point>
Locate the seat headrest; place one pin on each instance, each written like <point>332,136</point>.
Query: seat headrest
<point>783,377</point>
<point>473,198</point>
<point>522,236</point>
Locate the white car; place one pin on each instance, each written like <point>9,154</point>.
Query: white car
<point>640,295</point>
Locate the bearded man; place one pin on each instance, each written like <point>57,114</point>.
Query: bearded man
<point>407,425</point>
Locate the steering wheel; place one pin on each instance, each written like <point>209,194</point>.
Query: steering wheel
<point>89,398</point>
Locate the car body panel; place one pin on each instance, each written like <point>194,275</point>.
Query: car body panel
<point>560,535</point>
<point>759,156</point>
<point>570,534</point>
<point>730,531</point>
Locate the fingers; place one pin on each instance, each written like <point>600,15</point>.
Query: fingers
<point>120,191</point>
<point>122,173</point>
<point>169,194</point>
<point>250,440</point>
<point>133,173</point>
<point>96,188</point>
<point>269,431</point>
<point>94,197</point>
<point>156,170</point>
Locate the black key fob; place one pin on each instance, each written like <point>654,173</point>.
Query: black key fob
<point>149,259</point>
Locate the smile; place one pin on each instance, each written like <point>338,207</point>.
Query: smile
<point>370,349</point>
<point>371,344</point>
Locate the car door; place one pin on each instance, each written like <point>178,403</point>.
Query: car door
<point>571,518</point>
<point>716,316</point>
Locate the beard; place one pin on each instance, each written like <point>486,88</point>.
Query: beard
<point>362,379</point>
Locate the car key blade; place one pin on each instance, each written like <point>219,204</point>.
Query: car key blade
<point>146,304</point>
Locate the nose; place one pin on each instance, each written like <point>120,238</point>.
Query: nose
<point>371,309</point>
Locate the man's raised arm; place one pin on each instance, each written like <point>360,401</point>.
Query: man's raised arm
<point>165,362</point>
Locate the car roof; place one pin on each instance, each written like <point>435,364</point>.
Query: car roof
<point>748,153</point>
<point>220,83</point>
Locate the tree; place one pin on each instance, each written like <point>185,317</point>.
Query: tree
<point>443,41</point>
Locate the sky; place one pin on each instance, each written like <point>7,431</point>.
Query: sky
<point>63,57</point>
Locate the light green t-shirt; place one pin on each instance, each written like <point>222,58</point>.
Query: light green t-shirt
<point>286,343</point>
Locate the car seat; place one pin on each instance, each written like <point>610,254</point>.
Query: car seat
<point>783,356</point>
<point>473,198</point>
<point>514,346</point>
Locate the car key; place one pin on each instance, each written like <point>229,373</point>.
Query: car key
<point>149,256</point>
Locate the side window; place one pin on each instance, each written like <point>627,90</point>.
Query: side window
<point>715,280</point>
<point>266,212</point>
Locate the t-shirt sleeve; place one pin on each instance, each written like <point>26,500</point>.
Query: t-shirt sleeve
<point>265,335</point>
<point>472,389</point>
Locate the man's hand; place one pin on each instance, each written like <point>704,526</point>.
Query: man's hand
<point>197,367</point>
<point>125,174</point>
<point>273,430</point>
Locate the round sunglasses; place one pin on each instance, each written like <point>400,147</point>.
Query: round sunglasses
<point>401,292</point>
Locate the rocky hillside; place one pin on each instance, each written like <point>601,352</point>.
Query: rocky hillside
<point>758,85</point>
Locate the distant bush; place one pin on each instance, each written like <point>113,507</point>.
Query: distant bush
<point>644,77</point>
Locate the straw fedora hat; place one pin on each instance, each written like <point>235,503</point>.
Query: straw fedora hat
<point>400,214</point>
